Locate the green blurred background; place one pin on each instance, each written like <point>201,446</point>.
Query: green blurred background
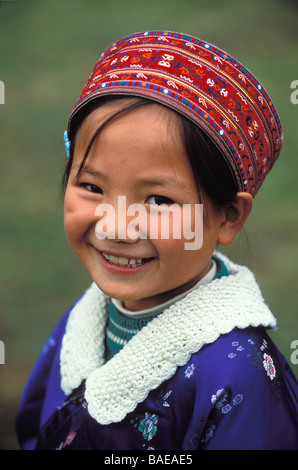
<point>48,49</point>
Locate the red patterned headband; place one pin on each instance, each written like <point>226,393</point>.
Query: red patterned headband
<point>204,84</point>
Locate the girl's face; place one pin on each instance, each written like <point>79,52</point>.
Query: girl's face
<point>139,156</point>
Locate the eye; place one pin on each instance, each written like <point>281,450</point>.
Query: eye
<point>92,188</point>
<point>158,200</point>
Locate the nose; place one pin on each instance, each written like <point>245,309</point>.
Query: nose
<point>120,223</point>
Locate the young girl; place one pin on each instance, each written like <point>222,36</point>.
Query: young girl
<point>167,349</point>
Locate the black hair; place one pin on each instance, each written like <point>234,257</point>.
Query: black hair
<point>78,120</point>
<point>211,171</point>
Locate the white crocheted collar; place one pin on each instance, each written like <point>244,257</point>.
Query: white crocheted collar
<point>114,388</point>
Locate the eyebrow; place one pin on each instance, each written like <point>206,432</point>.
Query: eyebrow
<point>89,170</point>
<point>165,181</point>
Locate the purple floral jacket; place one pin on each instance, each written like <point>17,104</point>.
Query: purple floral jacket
<point>236,393</point>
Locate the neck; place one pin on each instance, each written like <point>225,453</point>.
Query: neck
<point>160,302</point>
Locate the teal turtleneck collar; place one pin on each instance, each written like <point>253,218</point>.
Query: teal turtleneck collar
<point>121,326</point>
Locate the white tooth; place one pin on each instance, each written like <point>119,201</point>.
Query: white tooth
<point>123,261</point>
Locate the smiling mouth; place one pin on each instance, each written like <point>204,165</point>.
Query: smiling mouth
<point>126,262</point>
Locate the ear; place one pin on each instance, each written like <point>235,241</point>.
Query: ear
<point>234,217</point>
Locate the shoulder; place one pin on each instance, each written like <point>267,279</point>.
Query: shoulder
<point>246,364</point>
<point>231,352</point>
<point>241,356</point>
<point>48,357</point>
<point>54,339</point>
<point>241,381</point>
<point>233,362</point>
<point>42,392</point>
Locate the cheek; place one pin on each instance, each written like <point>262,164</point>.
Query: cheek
<point>178,266</point>
<point>186,253</point>
<point>77,218</point>
<point>71,226</point>
<point>171,252</point>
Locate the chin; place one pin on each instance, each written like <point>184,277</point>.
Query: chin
<point>116,292</point>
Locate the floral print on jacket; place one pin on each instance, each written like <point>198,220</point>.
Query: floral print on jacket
<point>228,386</point>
